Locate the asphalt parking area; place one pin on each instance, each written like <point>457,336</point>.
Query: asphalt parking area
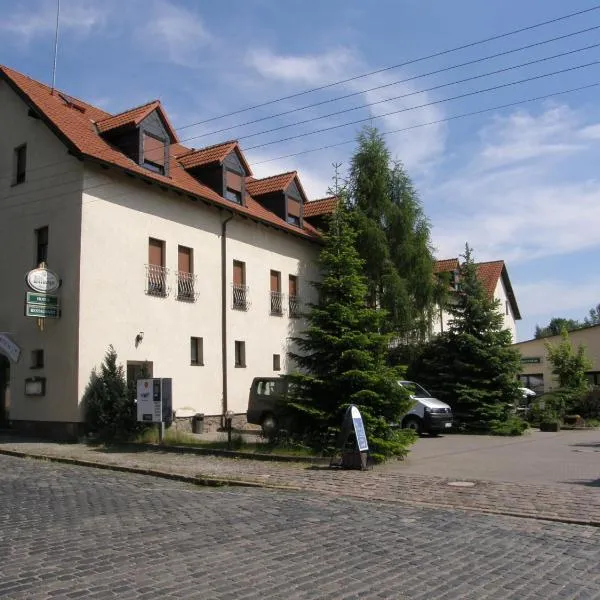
<point>566,457</point>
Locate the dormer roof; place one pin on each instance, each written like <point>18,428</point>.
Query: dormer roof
<point>274,183</point>
<point>322,206</point>
<point>134,116</point>
<point>215,154</point>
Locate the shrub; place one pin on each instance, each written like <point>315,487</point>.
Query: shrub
<point>108,405</point>
<point>512,425</point>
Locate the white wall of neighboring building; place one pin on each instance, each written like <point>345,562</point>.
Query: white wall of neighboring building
<point>50,196</point>
<point>119,216</point>
<point>506,309</point>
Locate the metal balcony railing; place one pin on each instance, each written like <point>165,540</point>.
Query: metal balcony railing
<point>156,281</point>
<point>276,303</point>
<point>294,307</point>
<point>186,287</point>
<point>240,297</point>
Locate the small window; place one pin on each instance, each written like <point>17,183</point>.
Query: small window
<point>276,362</point>
<point>197,351</point>
<point>154,153</point>
<point>41,243</point>
<point>293,220</point>
<point>506,307</point>
<point>240,354</point>
<point>20,164</point>
<point>233,196</point>
<point>37,359</point>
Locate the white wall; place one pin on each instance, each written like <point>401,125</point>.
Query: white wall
<point>118,218</point>
<point>50,196</point>
<point>506,309</point>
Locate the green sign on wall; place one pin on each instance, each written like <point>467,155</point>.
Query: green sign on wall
<point>531,360</point>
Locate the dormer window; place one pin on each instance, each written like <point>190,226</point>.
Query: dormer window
<point>154,153</point>
<point>233,195</point>
<point>293,212</point>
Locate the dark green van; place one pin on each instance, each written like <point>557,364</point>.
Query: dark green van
<point>267,394</point>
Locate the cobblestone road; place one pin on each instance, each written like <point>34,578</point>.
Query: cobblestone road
<point>574,502</point>
<point>71,532</point>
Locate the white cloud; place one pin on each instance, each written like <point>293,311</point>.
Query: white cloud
<point>30,21</point>
<point>310,69</point>
<point>531,204</point>
<point>175,31</point>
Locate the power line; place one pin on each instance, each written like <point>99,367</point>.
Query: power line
<point>437,122</point>
<point>302,152</point>
<point>386,85</point>
<point>432,103</point>
<point>397,66</point>
<point>430,89</point>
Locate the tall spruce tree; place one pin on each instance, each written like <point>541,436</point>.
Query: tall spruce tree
<point>393,238</point>
<point>342,355</point>
<point>472,366</point>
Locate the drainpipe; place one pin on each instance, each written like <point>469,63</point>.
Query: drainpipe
<point>224,308</point>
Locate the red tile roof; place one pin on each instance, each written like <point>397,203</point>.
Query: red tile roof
<point>274,183</point>
<point>211,155</point>
<point>489,273</point>
<point>322,206</point>
<point>444,266</point>
<point>78,131</point>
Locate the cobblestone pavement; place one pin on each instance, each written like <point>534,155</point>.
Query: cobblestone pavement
<point>579,503</point>
<point>71,532</point>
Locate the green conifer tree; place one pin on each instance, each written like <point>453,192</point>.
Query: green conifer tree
<point>342,354</point>
<point>472,366</point>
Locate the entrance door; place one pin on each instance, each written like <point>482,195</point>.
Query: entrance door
<point>4,390</point>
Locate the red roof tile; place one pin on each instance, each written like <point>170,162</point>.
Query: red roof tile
<point>445,266</point>
<point>274,183</point>
<point>78,131</point>
<point>322,206</point>
<point>489,274</point>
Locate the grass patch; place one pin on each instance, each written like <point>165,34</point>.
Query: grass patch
<point>174,437</point>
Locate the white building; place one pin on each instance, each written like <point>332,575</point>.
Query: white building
<point>496,282</point>
<point>177,257</point>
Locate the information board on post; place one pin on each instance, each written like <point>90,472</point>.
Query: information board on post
<point>149,404</point>
<point>359,429</point>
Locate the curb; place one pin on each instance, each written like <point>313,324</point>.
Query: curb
<point>219,482</point>
<point>203,480</point>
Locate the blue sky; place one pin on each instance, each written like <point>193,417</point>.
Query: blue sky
<point>519,183</point>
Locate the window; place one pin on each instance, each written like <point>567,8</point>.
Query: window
<point>240,296</point>
<point>185,274</point>
<point>20,164</point>
<point>37,359</point>
<point>293,301</point>
<point>41,244</point>
<point>276,362</point>
<point>593,378</point>
<point>138,370</point>
<point>533,382</point>
<point>276,295</point>
<point>240,354</point>
<point>293,211</point>
<point>506,307</point>
<point>197,351</point>
<point>157,274</point>
<point>233,195</point>
<point>154,153</point>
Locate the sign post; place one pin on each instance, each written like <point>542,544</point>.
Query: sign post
<point>40,303</point>
<point>352,442</point>
<point>155,403</point>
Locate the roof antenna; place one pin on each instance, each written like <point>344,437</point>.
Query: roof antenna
<point>55,46</point>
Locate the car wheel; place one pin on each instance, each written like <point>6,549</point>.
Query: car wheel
<point>414,424</point>
<point>269,425</point>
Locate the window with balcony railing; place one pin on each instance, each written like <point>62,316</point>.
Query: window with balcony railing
<point>276,303</point>
<point>186,286</point>
<point>294,307</point>
<point>156,280</point>
<point>240,297</point>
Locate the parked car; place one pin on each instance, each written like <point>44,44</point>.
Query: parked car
<point>264,402</point>
<point>428,415</point>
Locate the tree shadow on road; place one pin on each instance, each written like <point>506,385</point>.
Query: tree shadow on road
<point>585,482</point>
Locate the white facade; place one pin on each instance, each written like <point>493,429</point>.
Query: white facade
<point>99,223</point>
